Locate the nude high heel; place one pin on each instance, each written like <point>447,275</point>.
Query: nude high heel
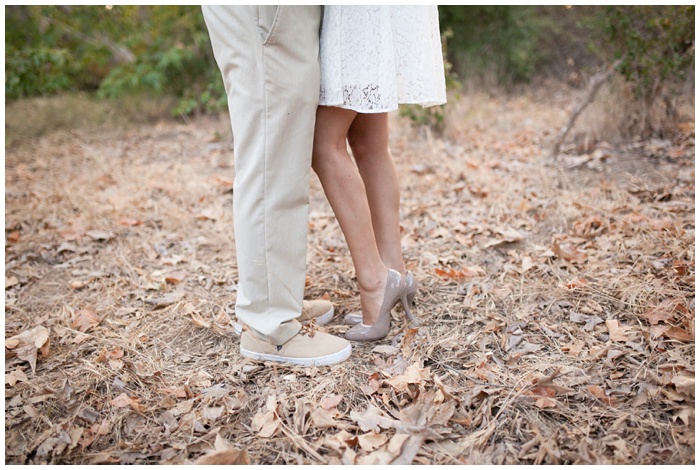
<point>392,295</point>
<point>407,296</point>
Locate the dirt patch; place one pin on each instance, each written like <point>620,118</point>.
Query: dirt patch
<point>555,305</point>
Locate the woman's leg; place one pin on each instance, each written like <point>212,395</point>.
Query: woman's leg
<point>369,139</point>
<point>345,191</point>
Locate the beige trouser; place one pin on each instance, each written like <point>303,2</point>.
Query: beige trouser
<point>268,56</point>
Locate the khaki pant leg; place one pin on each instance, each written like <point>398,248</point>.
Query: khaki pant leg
<point>268,58</point>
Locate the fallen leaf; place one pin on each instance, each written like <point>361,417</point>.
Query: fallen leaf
<point>38,336</point>
<point>508,235</point>
<point>665,311</point>
<point>164,301</point>
<point>225,457</point>
<point>12,237</point>
<point>266,423</point>
<point>129,222</point>
<point>599,393</point>
<point>685,414</point>
<point>576,282</point>
<point>10,281</point>
<point>85,319</point>
<point>323,419</point>
<point>99,235</point>
<point>372,419</point>
<point>569,252</point>
<point>385,349</point>
<point>200,322</point>
<point>684,384</point>
<point>15,376</point>
<point>122,401</point>
<point>371,441</point>
<point>413,375</point>
<point>617,333</point>
<point>574,349</point>
<point>546,402</point>
<point>176,277</point>
<point>330,401</point>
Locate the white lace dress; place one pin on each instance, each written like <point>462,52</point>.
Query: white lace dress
<point>375,57</point>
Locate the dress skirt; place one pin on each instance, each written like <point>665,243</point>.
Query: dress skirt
<point>374,58</point>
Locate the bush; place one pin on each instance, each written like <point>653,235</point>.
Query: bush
<point>30,69</point>
<point>500,41</point>
<point>119,50</point>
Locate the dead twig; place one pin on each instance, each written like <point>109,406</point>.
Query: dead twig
<point>593,87</point>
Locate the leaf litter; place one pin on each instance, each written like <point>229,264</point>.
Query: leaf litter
<point>555,310</point>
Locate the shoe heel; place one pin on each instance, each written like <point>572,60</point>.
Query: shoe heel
<point>406,302</point>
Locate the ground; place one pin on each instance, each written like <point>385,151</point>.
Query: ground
<point>555,308</point>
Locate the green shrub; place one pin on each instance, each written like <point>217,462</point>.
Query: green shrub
<point>500,41</point>
<point>30,69</point>
<point>655,43</point>
<point>117,51</point>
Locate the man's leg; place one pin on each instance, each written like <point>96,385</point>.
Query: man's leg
<point>268,57</point>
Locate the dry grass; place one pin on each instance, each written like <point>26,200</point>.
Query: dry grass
<point>556,303</point>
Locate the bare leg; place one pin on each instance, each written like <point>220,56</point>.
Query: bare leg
<point>369,139</point>
<point>345,191</point>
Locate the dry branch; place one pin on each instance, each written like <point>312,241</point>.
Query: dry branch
<point>593,87</point>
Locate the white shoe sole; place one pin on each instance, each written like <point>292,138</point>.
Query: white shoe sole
<point>321,320</point>
<point>327,360</point>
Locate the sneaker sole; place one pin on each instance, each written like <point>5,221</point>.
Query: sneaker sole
<point>328,360</point>
<point>321,320</point>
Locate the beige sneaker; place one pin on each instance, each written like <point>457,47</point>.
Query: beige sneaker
<point>307,349</point>
<point>320,310</point>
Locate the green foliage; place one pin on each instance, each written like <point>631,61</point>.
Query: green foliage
<point>117,51</point>
<point>31,69</point>
<point>655,43</point>
<point>495,40</point>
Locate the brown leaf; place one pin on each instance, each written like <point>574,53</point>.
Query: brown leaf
<point>121,401</point>
<point>176,277</point>
<point>266,423</point>
<point>323,419</point>
<point>413,375</point>
<point>508,235</point>
<point>599,393</point>
<point>372,440</point>
<point>225,457</point>
<point>11,281</point>
<point>99,235</point>
<point>574,349</point>
<point>116,353</point>
<point>545,402</point>
<point>164,300</point>
<point>124,400</point>
<point>409,449</point>
<point>85,319</point>
<point>13,237</point>
<point>331,401</point>
<point>129,222</point>
<point>28,353</point>
<point>569,252</point>
<point>576,282</point>
<point>684,384</point>
<point>372,419</point>
<point>200,322</point>
<point>589,227</point>
<point>665,311</point>
<point>38,336</point>
<point>679,334</point>
<point>617,333</point>
<point>15,376</point>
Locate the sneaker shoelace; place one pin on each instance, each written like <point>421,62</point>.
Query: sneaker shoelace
<point>309,329</point>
